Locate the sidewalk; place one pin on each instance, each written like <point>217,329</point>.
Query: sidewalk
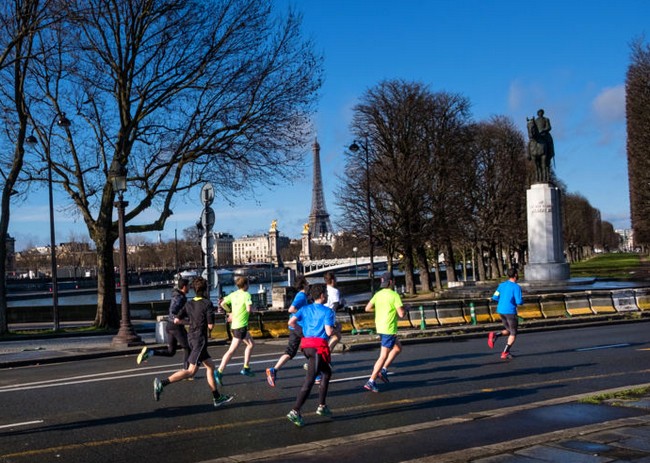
<point>615,431</point>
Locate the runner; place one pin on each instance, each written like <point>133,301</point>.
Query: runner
<point>176,333</point>
<point>295,332</point>
<point>508,296</point>
<point>317,323</point>
<point>387,306</point>
<point>200,312</point>
<point>336,303</point>
<point>238,305</point>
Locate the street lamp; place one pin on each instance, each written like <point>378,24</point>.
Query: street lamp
<point>64,122</point>
<point>356,268</point>
<point>354,147</point>
<point>126,335</point>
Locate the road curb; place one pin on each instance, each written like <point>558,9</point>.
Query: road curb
<point>459,455</point>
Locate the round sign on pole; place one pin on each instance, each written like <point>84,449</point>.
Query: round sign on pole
<point>207,218</point>
<point>207,194</point>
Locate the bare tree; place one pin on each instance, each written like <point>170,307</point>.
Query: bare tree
<point>637,109</point>
<point>178,91</point>
<point>580,221</point>
<point>495,193</point>
<point>411,136</point>
<point>20,21</point>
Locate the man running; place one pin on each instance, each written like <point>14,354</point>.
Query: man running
<point>508,296</point>
<point>387,306</point>
<point>176,333</point>
<point>295,332</point>
<point>238,306</point>
<point>317,323</point>
<point>200,312</point>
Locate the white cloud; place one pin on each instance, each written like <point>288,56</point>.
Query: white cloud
<point>609,104</point>
<point>515,95</point>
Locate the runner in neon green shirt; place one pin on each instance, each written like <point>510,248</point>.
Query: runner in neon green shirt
<point>387,306</point>
<point>238,305</point>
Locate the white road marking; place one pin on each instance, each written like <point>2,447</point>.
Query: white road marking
<point>110,376</point>
<point>24,423</point>
<point>610,346</point>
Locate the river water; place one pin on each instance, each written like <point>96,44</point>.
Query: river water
<point>135,295</point>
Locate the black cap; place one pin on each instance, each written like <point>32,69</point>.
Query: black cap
<point>385,279</point>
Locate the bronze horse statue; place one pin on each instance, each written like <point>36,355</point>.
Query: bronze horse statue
<point>540,148</point>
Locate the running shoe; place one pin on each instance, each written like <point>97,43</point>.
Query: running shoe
<point>383,375</point>
<point>157,389</point>
<point>371,386</point>
<point>218,377</point>
<point>143,355</point>
<point>506,356</point>
<point>318,379</point>
<point>295,418</point>
<point>270,376</point>
<point>222,399</point>
<point>323,410</point>
<point>246,372</point>
<point>491,340</point>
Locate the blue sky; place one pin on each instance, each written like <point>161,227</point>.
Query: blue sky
<point>507,57</point>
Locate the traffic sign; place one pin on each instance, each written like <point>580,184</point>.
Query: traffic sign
<point>207,243</point>
<point>207,218</point>
<point>207,194</point>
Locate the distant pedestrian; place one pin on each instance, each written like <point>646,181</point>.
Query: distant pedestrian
<point>336,303</point>
<point>387,306</point>
<point>317,323</point>
<point>200,313</point>
<point>295,332</point>
<point>508,296</point>
<point>176,333</point>
<point>238,305</point>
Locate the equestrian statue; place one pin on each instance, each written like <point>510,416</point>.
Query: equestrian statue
<point>540,146</point>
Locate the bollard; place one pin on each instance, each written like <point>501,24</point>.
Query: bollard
<point>472,313</point>
<point>423,321</point>
<point>362,331</point>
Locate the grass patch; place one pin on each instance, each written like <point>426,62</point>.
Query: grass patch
<point>627,394</point>
<point>615,265</point>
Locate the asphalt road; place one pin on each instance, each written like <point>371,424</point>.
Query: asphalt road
<point>103,410</point>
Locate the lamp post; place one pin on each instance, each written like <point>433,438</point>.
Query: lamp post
<point>354,147</point>
<point>356,268</point>
<point>64,122</point>
<point>126,335</point>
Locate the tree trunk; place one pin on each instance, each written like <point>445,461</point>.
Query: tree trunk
<point>4,227</point>
<point>436,269</point>
<point>480,264</point>
<point>409,274</point>
<point>494,268</point>
<point>450,262</point>
<point>423,267</point>
<point>499,260</point>
<point>108,315</point>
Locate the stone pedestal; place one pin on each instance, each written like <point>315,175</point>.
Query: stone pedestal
<point>305,253</point>
<point>274,255</point>
<point>546,260</point>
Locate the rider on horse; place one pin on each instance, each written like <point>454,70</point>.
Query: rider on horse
<point>540,146</point>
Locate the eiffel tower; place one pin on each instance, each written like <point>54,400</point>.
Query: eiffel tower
<point>319,220</point>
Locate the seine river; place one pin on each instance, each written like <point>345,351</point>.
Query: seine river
<point>135,295</point>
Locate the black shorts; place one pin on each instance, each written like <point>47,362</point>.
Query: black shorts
<point>240,333</point>
<point>294,343</point>
<point>199,352</point>
<point>510,323</point>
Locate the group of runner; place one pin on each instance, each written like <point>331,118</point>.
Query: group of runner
<point>312,329</point>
